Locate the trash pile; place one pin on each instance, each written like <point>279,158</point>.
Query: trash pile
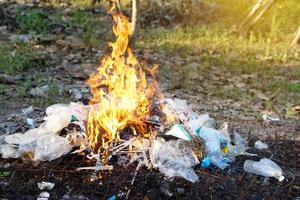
<point>44,143</point>
<point>188,140</point>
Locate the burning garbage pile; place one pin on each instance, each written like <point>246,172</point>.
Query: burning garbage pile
<point>128,119</point>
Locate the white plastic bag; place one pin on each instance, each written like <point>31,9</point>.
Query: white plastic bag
<point>26,138</point>
<point>264,167</point>
<point>77,110</point>
<point>58,120</point>
<point>7,151</point>
<point>174,158</point>
<point>50,147</point>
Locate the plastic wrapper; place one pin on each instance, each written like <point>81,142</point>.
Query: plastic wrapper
<point>217,146</point>
<point>43,196</point>
<point>174,158</point>
<point>179,132</point>
<point>264,167</point>
<point>212,138</point>
<point>45,185</point>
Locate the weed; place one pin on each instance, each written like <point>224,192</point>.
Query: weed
<point>5,173</point>
<point>90,25</point>
<point>2,87</point>
<point>32,21</point>
<point>81,19</point>
<point>284,86</point>
<point>290,113</point>
<point>16,59</point>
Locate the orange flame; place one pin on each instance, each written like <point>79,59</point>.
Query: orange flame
<point>121,93</point>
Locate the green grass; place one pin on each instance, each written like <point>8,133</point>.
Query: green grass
<point>2,88</point>
<point>32,20</point>
<point>17,58</point>
<point>94,28</point>
<point>5,173</point>
<point>211,39</point>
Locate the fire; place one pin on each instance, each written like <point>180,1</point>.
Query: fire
<point>121,94</point>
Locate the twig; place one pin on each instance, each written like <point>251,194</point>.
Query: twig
<point>96,168</point>
<point>123,145</point>
<point>133,179</point>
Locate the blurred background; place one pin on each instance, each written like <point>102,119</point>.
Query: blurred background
<point>229,57</point>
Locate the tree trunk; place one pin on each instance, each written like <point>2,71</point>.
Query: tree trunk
<point>255,14</point>
<point>134,22</point>
<point>296,39</point>
<point>118,6</point>
<point>252,13</point>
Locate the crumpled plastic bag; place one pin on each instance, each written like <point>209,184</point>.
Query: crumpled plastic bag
<point>43,146</point>
<point>217,142</point>
<point>264,167</point>
<point>77,110</point>
<point>8,151</point>
<point>50,147</point>
<point>216,145</point>
<point>174,158</point>
<point>60,116</point>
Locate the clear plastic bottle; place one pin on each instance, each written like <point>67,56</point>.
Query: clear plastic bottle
<point>264,167</point>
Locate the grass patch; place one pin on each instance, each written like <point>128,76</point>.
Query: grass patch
<point>2,88</point>
<point>5,174</point>
<point>32,20</point>
<point>227,93</point>
<point>221,47</point>
<point>94,28</point>
<point>14,59</point>
<point>284,86</point>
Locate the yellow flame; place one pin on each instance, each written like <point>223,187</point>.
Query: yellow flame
<point>121,93</point>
